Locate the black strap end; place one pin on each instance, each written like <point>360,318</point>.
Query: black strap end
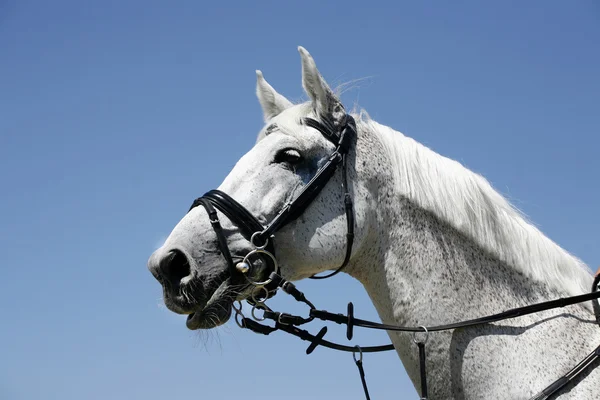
<point>256,327</point>
<point>276,279</point>
<point>350,323</point>
<point>327,316</point>
<point>291,289</point>
<point>316,340</point>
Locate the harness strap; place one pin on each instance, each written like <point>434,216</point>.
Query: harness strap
<point>596,303</point>
<point>321,178</point>
<point>307,336</point>
<point>243,219</point>
<point>349,226</point>
<point>348,206</point>
<point>569,376</point>
<point>508,314</point>
<point>326,129</point>
<point>423,370</point>
<point>252,229</point>
<point>577,370</point>
<point>233,210</point>
<point>214,221</point>
<point>309,192</point>
<point>350,321</point>
<point>361,372</point>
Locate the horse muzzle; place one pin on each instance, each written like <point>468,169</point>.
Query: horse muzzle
<point>183,292</point>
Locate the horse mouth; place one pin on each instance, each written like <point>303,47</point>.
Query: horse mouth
<point>216,312</point>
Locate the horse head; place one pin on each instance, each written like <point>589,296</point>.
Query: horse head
<point>284,207</point>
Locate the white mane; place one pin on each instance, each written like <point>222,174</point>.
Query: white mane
<point>468,202</point>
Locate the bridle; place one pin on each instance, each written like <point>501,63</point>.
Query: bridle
<point>262,239</point>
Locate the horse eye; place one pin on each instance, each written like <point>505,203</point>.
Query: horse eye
<point>288,156</point>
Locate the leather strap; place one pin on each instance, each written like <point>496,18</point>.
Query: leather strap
<point>423,370</point>
<point>512,313</point>
<point>249,224</point>
<point>294,209</point>
<point>236,212</point>
<point>243,219</point>
<point>312,189</point>
<point>214,221</point>
<point>361,372</point>
<point>569,376</point>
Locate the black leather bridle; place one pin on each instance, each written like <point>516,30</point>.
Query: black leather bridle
<point>261,237</point>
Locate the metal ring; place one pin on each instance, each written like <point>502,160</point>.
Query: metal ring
<point>354,354</point>
<point>255,245</point>
<point>415,341</point>
<point>258,289</point>
<point>237,321</point>
<point>279,319</point>
<point>260,251</point>
<point>259,306</point>
<point>239,308</point>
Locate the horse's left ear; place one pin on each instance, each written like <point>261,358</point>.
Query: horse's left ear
<point>326,104</point>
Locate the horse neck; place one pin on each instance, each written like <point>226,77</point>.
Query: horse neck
<point>419,241</point>
<point>420,270</point>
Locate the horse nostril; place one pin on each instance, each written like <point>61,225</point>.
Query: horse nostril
<point>175,266</point>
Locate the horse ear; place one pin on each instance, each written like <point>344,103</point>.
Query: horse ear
<point>272,103</point>
<point>325,103</point>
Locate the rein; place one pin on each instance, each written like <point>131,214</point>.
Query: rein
<point>288,323</point>
<point>270,279</point>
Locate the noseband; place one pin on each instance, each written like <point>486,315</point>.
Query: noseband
<point>262,237</point>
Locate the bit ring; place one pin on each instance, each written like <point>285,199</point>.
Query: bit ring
<point>256,291</point>
<point>247,261</point>
<point>354,354</point>
<point>415,341</point>
<point>237,321</point>
<point>259,306</point>
<point>237,309</point>
<point>252,238</point>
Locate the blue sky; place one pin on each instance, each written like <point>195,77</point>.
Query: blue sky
<point>115,115</point>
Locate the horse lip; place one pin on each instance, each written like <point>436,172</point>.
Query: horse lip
<point>183,309</point>
<point>193,320</point>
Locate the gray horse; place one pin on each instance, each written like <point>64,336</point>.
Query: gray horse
<point>434,243</point>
